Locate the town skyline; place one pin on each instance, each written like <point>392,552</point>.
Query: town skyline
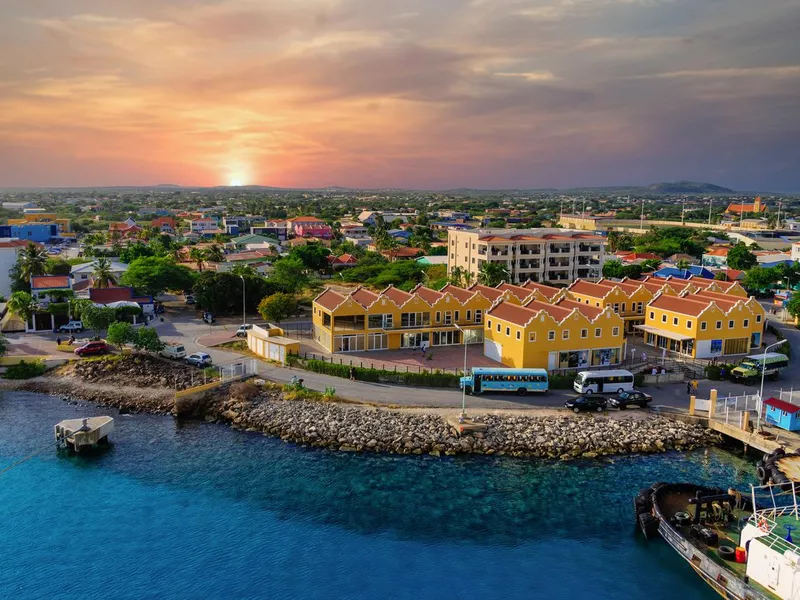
<point>522,94</point>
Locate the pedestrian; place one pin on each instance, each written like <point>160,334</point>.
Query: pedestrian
<point>694,385</point>
<point>352,373</point>
<point>644,356</point>
<point>58,341</point>
<point>688,387</point>
<point>654,371</point>
<point>722,373</point>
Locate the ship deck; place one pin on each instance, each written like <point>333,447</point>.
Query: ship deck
<point>728,534</point>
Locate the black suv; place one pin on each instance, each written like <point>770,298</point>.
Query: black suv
<point>587,402</point>
<point>632,398</point>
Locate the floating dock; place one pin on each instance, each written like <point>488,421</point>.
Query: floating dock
<point>80,434</point>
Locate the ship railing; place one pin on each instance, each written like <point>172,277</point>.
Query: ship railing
<point>776,503</point>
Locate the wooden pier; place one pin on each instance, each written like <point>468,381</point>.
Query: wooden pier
<point>81,434</point>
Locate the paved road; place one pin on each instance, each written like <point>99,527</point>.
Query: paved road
<point>187,328</point>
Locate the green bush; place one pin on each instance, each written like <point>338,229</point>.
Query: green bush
<point>561,382</point>
<point>638,379</point>
<point>433,378</point>
<point>25,370</point>
<point>713,372</point>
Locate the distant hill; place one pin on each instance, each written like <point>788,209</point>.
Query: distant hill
<point>688,187</point>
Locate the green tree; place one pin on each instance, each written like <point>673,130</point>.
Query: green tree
<point>102,274</point>
<point>759,279</point>
<point>682,264</point>
<point>154,275</point>
<point>221,293</point>
<point>3,345</point>
<point>740,257</point>
<point>198,257</point>
<point>421,237</point>
<point>457,276</point>
<point>793,306</point>
<point>147,339</point>
<point>313,256</point>
<point>215,253</point>
<point>133,251</point>
<point>492,273</point>
<point>289,275</point>
<point>32,261</point>
<point>58,266</point>
<point>277,307</point>
<point>97,318</point>
<point>120,333</point>
<point>22,304</point>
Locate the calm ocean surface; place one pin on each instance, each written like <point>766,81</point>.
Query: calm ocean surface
<point>200,511</point>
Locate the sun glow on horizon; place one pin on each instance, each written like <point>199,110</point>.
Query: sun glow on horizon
<point>236,183</point>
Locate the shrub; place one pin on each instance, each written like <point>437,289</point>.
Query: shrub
<point>25,370</point>
<point>426,378</point>
<point>561,382</point>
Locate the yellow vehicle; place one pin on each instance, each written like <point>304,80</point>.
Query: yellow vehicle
<point>771,363</point>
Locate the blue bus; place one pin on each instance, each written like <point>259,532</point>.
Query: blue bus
<point>521,381</point>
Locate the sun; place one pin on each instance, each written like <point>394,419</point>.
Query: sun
<point>236,183</point>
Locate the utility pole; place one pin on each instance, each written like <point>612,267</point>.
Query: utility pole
<point>741,215</point>
<point>683,212</point>
<point>710,204</point>
<point>641,218</point>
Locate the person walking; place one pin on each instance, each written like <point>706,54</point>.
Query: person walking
<point>694,386</point>
<point>688,387</point>
<point>352,373</point>
<point>58,341</point>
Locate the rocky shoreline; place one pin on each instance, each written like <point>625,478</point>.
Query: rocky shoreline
<point>356,428</point>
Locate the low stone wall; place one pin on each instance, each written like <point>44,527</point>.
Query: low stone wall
<point>346,427</point>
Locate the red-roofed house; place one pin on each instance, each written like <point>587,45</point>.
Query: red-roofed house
<point>109,296</point>
<point>343,261</point>
<point>164,224</point>
<point>782,414</point>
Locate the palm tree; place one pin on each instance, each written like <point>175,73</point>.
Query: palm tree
<point>492,273</point>
<point>103,276</point>
<point>22,305</point>
<point>197,256</point>
<point>215,253</point>
<point>32,261</point>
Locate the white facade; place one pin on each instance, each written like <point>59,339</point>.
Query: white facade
<point>199,225</point>
<point>8,257</point>
<point>796,251</point>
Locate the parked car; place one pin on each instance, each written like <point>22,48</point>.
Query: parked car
<point>189,299</point>
<point>199,359</point>
<point>71,327</point>
<point>243,329</point>
<point>632,398</point>
<point>587,402</point>
<point>92,349</point>
<point>173,351</point>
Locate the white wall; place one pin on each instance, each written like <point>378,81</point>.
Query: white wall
<point>703,349</point>
<point>8,256</point>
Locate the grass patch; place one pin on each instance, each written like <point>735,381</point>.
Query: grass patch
<point>26,370</point>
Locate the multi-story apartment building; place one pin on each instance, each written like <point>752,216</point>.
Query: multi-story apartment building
<point>537,255</point>
<point>35,219</point>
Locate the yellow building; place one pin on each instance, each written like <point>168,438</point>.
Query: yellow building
<point>674,286</point>
<point>364,320</point>
<point>625,298</point>
<point>704,324</point>
<point>553,336</point>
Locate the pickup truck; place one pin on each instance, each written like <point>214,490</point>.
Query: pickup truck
<point>71,327</point>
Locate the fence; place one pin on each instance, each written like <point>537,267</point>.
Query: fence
<point>225,373</point>
<point>298,332</point>
<point>371,364</point>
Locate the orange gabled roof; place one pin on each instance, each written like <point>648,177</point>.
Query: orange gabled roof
<point>588,288</point>
<point>491,293</point>
<point>717,252</point>
<point>430,296</point>
<point>548,291</point>
<point>629,286</point>
<point>45,282</point>
<point>397,296</point>
<point>589,311</point>
<point>678,304</point>
<point>559,313</point>
<point>518,315</point>
<point>329,299</point>
<point>364,297</point>
<point>306,219</point>
<point>720,296</point>
<point>458,293</point>
<point>520,292</point>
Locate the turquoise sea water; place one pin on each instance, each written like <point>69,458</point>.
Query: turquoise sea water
<point>200,511</point>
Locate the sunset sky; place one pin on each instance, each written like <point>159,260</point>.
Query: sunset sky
<point>413,93</point>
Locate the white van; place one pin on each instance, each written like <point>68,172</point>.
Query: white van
<point>173,351</point>
<point>599,382</point>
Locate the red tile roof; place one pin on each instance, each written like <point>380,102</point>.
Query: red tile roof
<point>489,292</point>
<point>782,405</point>
<point>329,299</point>
<point>15,243</point>
<point>588,288</point>
<point>520,292</point>
<point>680,305</point>
<point>585,309</point>
<point>46,282</point>
<point>113,294</point>
<point>305,220</point>
<point>430,296</point>
<point>364,297</point>
<point>548,291</point>
<point>397,296</point>
<point>458,293</point>
<point>519,315</point>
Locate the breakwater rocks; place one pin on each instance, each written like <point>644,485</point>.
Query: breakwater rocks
<point>356,428</point>
<point>139,369</point>
<point>125,398</point>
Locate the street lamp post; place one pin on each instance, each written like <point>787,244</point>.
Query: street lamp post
<point>763,372</point>
<point>463,374</point>
<point>244,303</point>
